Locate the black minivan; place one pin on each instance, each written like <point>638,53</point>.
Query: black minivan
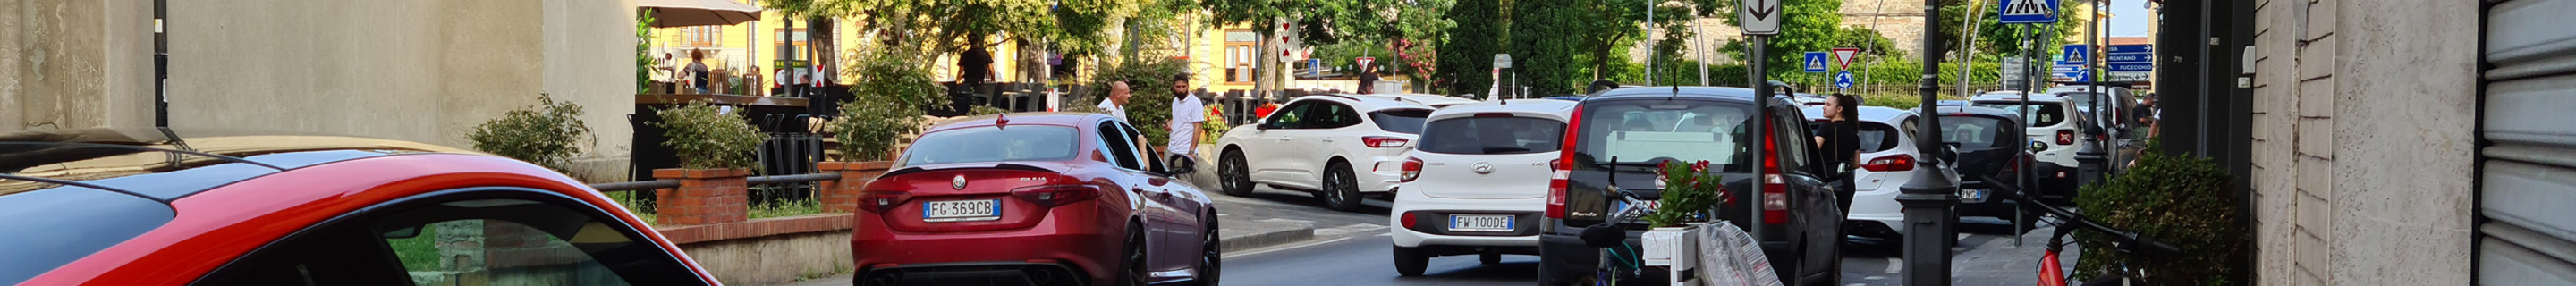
<point>1625,133</point>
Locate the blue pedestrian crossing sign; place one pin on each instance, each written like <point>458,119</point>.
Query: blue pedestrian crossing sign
<point>1815,62</point>
<point>2077,54</point>
<point>1843,80</point>
<point>2028,11</point>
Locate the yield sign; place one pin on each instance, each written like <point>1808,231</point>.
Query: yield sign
<point>1364,61</point>
<point>1843,57</point>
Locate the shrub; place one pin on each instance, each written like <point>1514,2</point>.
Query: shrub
<point>704,138</point>
<point>543,134</point>
<point>982,110</point>
<point>2182,200</point>
<point>1689,190</point>
<point>891,87</point>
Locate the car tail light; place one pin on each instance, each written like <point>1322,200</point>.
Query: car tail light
<point>1384,141</point>
<point>2066,137</point>
<point>880,201</point>
<point>1407,220</point>
<point>1775,191</point>
<point>1563,166</point>
<point>1891,163</point>
<point>1056,195</point>
<point>1412,169</point>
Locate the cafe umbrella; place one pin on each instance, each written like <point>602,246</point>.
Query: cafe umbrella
<point>691,13</point>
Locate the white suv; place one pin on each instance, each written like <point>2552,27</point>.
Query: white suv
<point>1342,148</point>
<point>1477,182</point>
<point>2056,133</point>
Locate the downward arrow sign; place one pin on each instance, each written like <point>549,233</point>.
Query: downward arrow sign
<point>1762,9</point>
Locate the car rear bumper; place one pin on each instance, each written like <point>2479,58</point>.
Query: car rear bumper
<point>975,273</point>
<point>1090,252</point>
<point>1432,215</point>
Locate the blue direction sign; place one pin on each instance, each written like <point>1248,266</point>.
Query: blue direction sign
<point>2077,54</point>
<point>2116,58</point>
<point>2123,67</point>
<point>1815,62</point>
<point>2028,11</point>
<point>1843,80</point>
<point>2139,48</point>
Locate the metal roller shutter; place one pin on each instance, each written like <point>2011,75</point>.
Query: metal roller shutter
<point>2527,191</point>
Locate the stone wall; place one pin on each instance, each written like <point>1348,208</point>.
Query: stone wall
<point>2362,141</point>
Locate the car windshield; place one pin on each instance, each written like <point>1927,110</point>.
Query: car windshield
<point>1492,135</point>
<point>1975,132</point>
<point>1407,121</point>
<point>993,144</point>
<point>1644,131</point>
<point>2037,113</point>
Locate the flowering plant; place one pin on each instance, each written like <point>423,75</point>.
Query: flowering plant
<point>1691,193</point>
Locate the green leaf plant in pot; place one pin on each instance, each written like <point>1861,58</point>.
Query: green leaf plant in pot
<point>1690,193</point>
<point>704,137</point>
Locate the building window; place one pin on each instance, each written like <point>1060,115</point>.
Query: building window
<point>791,40</point>
<point>703,36</point>
<point>1240,56</point>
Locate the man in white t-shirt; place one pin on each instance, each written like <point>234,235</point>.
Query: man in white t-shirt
<point>1187,113</point>
<point>1116,104</point>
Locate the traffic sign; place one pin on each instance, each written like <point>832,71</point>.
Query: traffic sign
<point>1843,57</point>
<point>1843,80</point>
<point>2128,58</point>
<point>2078,53</point>
<point>1815,62</point>
<point>2138,48</point>
<point>2123,67</point>
<point>1760,17</point>
<point>2028,11</point>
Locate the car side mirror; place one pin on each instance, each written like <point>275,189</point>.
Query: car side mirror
<point>1264,126</point>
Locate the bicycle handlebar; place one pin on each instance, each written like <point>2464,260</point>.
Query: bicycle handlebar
<point>2125,241</point>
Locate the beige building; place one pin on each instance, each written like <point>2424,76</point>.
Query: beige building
<point>2401,142</point>
<point>423,71</point>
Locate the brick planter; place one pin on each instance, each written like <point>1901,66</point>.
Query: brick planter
<point>705,196</point>
<point>842,196</point>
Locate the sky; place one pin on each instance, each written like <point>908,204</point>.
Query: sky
<point>2129,18</point>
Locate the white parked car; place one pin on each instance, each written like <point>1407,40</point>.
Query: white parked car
<point>1887,158</point>
<point>2057,134</point>
<point>1477,182</point>
<point>1342,148</point>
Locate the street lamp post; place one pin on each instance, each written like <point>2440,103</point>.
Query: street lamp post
<point>1928,197</point>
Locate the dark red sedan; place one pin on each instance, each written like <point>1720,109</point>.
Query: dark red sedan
<point>1033,199</point>
<point>154,207</point>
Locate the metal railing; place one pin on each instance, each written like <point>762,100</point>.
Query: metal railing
<point>772,183</point>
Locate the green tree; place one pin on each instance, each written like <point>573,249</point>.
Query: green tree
<point>1466,55</point>
<point>1806,26</point>
<point>1995,37</point>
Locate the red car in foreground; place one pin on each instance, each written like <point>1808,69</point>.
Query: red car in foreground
<point>153,207</point>
<point>1033,199</point>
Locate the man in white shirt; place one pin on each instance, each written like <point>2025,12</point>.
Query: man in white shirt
<point>1116,104</point>
<point>1187,113</point>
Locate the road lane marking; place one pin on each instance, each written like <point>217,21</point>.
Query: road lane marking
<point>1893,264</point>
<point>1286,247</point>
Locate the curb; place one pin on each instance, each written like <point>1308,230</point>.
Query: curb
<point>1266,238</point>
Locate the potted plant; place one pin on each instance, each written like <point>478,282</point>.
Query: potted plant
<point>892,88</point>
<point>1690,193</point>
<point>715,150</point>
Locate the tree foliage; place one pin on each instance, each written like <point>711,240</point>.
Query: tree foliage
<point>1466,55</point>
<point>547,134</point>
<point>1995,37</point>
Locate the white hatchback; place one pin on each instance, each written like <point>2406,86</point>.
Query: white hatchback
<point>1477,182</point>
<point>1887,154</point>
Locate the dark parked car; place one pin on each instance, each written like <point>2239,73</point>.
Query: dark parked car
<point>1624,134</point>
<point>1991,151</point>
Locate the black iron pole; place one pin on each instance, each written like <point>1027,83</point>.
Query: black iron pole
<point>160,63</point>
<point>1762,115</point>
<point>1928,197</point>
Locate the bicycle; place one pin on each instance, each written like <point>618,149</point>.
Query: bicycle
<point>2121,240</point>
<point>1609,236</point>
